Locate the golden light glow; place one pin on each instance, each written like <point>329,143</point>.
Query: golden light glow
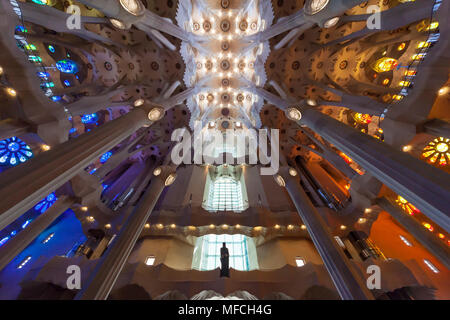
<point>294,114</point>
<point>147,226</point>
<point>406,206</point>
<point>437,151</point>
<point>345,157</point>
<point>1,71</point>
<point>84,209</point>
<point>290,227</point>
<point>139,102</point>
<point>362,118</point>
<point>45,147</point>
<point>280,181</point>
<point>170,179</point>
<point>342,227</point>
<point>443,91</point>
<point>401,46</point>
<point>118,24</point>
<point>303,227</point>
<point>90,219</point>
<point>173,226</point>
<point>428,226</point>
<point>385,64</point>
<point>108,226</point>
<point>423,44</point>
<point>362,220</point>
<point>11,92</point>
<point>293,172</point>
<point>157,171</point>
<point>155,114</point>
<point>277,226</point>
<point>407,148</point>
<point>159,226</point>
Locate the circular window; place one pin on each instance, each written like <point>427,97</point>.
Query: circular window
<point>108,66</point>
<point>225,3</point>
<point>225,97</point>
<point>343,65</point>
<point>243,25</point>
<point>225,65</point>
<point>155,65</point>
<point>196,26</point>
<point>207,26</point>
<point>225,25</point>
<point>225,46</point>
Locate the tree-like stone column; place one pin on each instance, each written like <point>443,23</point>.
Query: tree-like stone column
<point>347,282</point>
<point>25,185</point>
<point>103,278</point>
<point>422,184</point>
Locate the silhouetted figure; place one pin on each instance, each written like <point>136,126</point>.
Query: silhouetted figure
<point>225,261</point>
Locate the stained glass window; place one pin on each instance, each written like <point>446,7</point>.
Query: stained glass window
<point>237,245</point>
<point>67,66</point>
<point>437,151</point>
<point>225,194</point>
<point>14,151</point>
<point>46,203</point>
<point>385,64</point>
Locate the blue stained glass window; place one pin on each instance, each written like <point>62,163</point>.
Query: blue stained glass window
<point>67,66</point>
<point>105,157</point>
<point>14,151</point>
<point>4,240</point>
<point>21,29</point>
<point>46,203</point>
<point>67,83</point>
<point>26,223</point>
<point>44,75</point>
<point>51,49</point>
<point>89,118</point>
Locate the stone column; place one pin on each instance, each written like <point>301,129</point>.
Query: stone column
<point>438,128</point>
<point>12,128</point>
<point>17,244</point>
<point>422,235</point>
<point>345,278</point>
<point>25,185</point>
<point>424,185</point>
<point>109,267</point>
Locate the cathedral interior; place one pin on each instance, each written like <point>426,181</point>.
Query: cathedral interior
<point>343,104</point>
